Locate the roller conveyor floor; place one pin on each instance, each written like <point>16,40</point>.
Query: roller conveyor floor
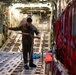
<point>11,62</point>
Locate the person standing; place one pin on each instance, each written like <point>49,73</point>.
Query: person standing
<point>28,30</point>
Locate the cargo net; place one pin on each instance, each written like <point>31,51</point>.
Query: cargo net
<point>66,37</point>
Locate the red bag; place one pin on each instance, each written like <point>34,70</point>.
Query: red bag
<point>48,58</point>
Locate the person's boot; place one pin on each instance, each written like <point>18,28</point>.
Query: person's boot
<point>26,67</point>
<point>32,65</point>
